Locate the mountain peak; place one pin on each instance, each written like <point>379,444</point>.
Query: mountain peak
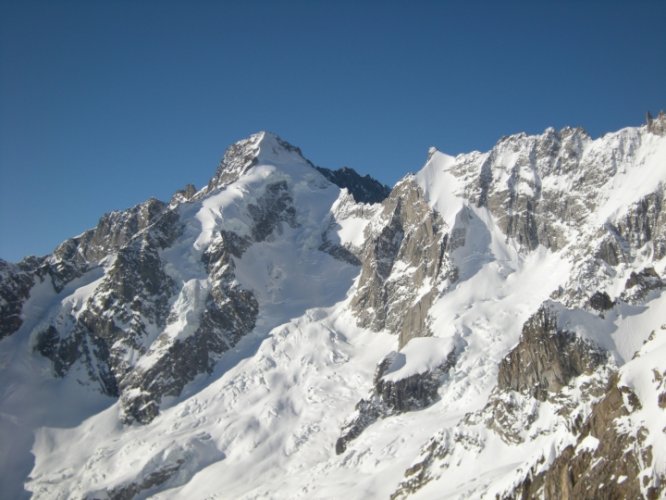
<point>258,148</point>
<point>271,147</point>
<point>495,305</point>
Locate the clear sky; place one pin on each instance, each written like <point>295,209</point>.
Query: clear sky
<point>104,104</point>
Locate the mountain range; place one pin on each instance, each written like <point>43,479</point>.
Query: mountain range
<point>493,326</point>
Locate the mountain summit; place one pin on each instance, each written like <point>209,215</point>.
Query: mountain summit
<point>490,327</point>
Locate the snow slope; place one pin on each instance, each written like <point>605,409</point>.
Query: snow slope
<point>264,422</point>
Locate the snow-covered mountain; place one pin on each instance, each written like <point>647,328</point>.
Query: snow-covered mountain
<point>494,326</point>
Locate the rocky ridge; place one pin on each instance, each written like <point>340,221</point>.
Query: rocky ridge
<point>512,289</point>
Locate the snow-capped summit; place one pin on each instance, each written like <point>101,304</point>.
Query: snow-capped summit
<point>492,324</point>
<point>273,149</point>
<point>268,148</point>
<point>259,148</point>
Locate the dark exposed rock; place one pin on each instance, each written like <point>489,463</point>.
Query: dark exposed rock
<point>647,278</point>
<point>418,475</point>
<point>544,361</point>
<point>364,189</point>
<point>406,261</point>
<point>546,358</point>
<point>639,284</point>
<point>16,280</point>
<point>391,397</point>
<point>230,313</point>
<point>238,159</point>
<point>656,125</point>
<point>612,248</point>
<point>273,207</point>
<point>643,223</point>
<point>76,256</point>
<point>133,295</point>
<point>113,231</point>
<point>339,252</point>
<point>600,301</point>
<point>132,490</point>
<point>437,449</point>
<point>241,156</point>
<point>509,416</point>
<point>183,195</point>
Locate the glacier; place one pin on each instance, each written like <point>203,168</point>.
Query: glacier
<point>492,324</point>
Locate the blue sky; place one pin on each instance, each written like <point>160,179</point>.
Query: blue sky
<point>104,104</point>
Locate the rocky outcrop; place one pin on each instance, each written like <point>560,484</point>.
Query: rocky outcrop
<point>656,125</point>
<point>403,262</point>
<point>608,454</point>
<point>16,280</point>
<point>272,208</point>
<point>229,313</point>
<point>153,298</point>
<point>535,371</point>
<point>510,185</point>
<point>613,454</point>
<point>125,336</point>
<point>114,230</point>
<point>238,159</point>
<point>601,301</point>
<point>392,397</point>
<point>624,240</point>
<point>549,189</point>
<point>339,252</point>
<point>644,223</point>
<point>183,195</point>
<point>546,358</point>
<point>130,302</point>
<point>71,259</point>
<point>607,461</point>
<point>640,284</point>
<point>364,189</point>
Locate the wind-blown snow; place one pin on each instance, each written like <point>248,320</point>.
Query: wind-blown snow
<point>441,188</point>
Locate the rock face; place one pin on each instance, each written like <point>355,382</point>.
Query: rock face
<point>16,280</point>
<point>364,189</point>
<point>540,370</point>
<point>546,358</point>
<point>492,327</point>
<point>614,455</point>
<point>161,308</point>
<point>640,284</point>
<point>657,125</point>
<point>238,159</point>
<point>605,462</point>
<point>71,259</point>
<point>511,185</point>
<point>392,397</point>
<point>404,260</point>
<point>129,302</point>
